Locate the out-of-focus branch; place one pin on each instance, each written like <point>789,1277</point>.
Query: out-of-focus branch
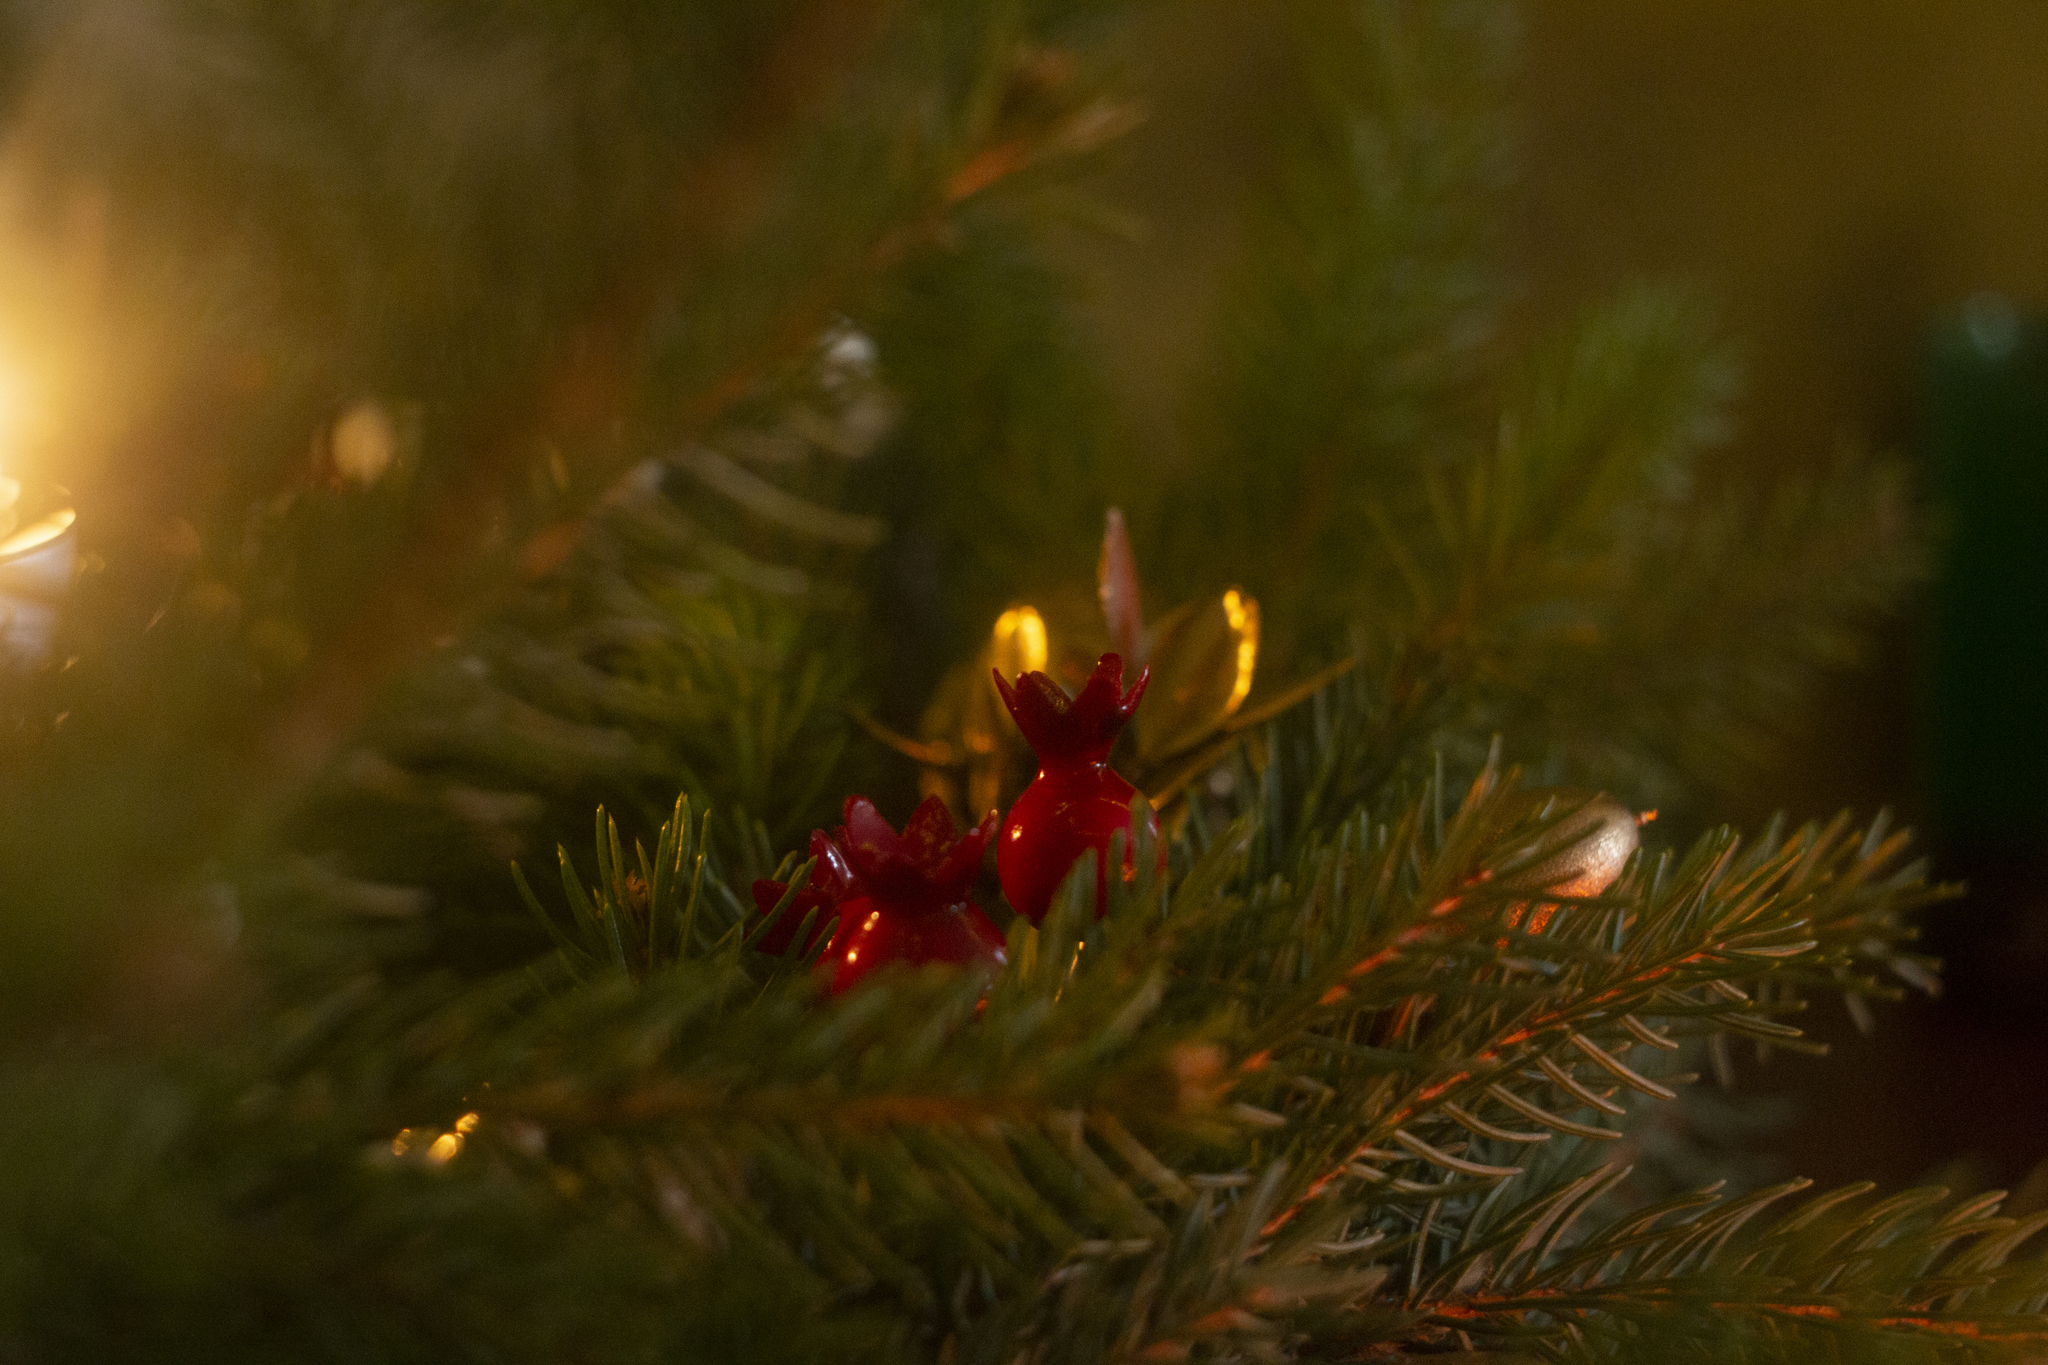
<point>430,593</point>
<point>430,590</point>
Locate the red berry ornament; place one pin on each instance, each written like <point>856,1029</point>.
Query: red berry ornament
<point>831,881</point>
<point>910,894</point>
<point>1075,803</point>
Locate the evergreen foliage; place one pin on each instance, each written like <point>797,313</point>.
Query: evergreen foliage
<point>723,394</point>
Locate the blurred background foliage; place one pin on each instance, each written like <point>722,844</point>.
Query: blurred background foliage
<point>1837,188</point>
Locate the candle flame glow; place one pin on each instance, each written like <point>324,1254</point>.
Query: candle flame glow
<point>1020,645</point>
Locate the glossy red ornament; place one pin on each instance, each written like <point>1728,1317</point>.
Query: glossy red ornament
<point>878,935</point>
<point>899,897</point>
<point>830,884</point>
<point>1076,803</point>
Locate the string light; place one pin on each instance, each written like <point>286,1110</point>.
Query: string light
<point>1020,645</point>
<point>443,1148</point>
<point>35,557</point>
<point>1243,615</point>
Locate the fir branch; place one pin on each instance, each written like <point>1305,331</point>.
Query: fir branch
<point>1419,951</point>
<point>1836,1273</point>
<point>428,589</point>
<point>426,595</point>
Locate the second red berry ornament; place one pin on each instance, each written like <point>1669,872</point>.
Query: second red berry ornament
<point>1075,803</point>
<point>915,908</point>
<point>898,898</point>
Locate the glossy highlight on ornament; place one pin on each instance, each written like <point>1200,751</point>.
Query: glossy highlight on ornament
<point>1076,803</point>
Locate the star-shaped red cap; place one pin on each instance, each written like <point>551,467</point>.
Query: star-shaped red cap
<point>1077,729</point>
<point>929,863</point>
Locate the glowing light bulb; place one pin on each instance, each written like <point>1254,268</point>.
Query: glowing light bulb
<point>36,552</point>
<point>364,441</point>
<point>1020,645</point>
<point>1243,614</point>
<point>10,440</point>
<point>37,533</point>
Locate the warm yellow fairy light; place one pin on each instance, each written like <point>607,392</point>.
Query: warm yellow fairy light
<point>444,1147</point>
<point>1020,641</point>
<point>11,405</point>
<point>10,436</point>
<point>18,420</point>
<point>36,533</point>
<point>363,442</point>
<point>1243,613</point>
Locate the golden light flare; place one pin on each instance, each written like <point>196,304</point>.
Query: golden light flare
<point>36,534</point>
<point>443,1148</point>
<point>363,443</point>
<point>36,550</point>
<point>19,418</point>
<point>12,414</point>
<point>1019,642</point>
<point>28,417</point>
<point>1243,615</point>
